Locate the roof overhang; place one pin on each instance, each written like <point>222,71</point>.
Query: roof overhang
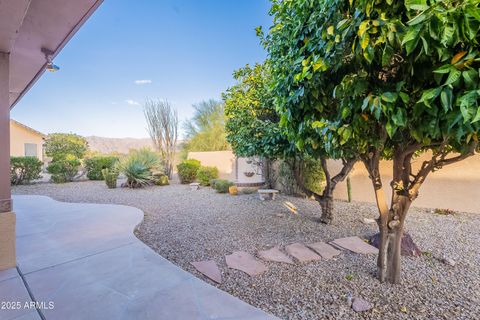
<point>27,27</point>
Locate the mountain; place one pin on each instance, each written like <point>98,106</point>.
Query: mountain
<point>117,145</point>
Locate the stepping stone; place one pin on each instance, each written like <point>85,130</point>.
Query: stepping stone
<point>325,250</point>
<point>245,262</point>
<point>275,255</point>
<point>355,244</point>
<point>360,305</point>
<point>301,253</point>
<point>210,269</point>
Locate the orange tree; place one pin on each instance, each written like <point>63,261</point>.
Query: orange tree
<point>252,128</point>
<point>381,79</point>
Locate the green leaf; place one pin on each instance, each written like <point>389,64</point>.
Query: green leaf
<point>416,4</point>
<point>390,129</point>
<point>418,19</point>
<point>443,69</point>
<point>399,117</point>
<point>446,98</point>
<point>363,27</point>
<point>454,75</point>
<point>330,30</point>
<point>405,98</point>
<point>470,77</point>
<point>389,97</point>
<point>345,133</point>
<point>411,34</point>
<point>477,116</point>
<point>447,35</point>
<point>365,40</point>
<point>429,95</point>
<point>368,54</point>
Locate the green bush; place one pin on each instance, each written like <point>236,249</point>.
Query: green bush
<point>206,174</point>
<point>138,167</point>
<point>95,165</point>
<point>213,182</point>
<point>63,170</point>
<point>187,170</point>
<point>24,169</point>
<point>222,185</point>
<point>110,175</point>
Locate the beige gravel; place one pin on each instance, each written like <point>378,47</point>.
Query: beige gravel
<point>185,226</point>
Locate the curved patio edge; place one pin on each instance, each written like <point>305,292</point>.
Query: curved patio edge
<point>85,259</point>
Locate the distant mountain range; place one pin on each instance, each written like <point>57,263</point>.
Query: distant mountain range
<point>120,145</point>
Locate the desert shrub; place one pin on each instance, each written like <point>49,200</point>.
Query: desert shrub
<point>63,170</point>
<point>95,165</point>
<point>187,170</point>
<point>313,176</point>
<point>160,179</point>
<point>213,182</point>
<point>138,167</point>
<point>222,185</point>
<point>24,169</point>
<point>110,175</point>
<point>205,174</point>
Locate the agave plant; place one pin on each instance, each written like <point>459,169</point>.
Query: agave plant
<point>138,167</point>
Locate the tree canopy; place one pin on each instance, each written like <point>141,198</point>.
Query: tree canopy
<point>252,121</point>
<point>206,130</point>
<point>379,79</point>
<point>348,70</point>
<point>65,146</point>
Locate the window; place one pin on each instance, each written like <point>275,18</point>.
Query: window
<point>31,150</point>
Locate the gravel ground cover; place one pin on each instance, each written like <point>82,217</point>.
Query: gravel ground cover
<point>185,226</point>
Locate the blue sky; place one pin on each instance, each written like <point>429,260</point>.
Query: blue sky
<point>186,50</point>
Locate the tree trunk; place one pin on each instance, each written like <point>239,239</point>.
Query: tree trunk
<point>326,203</point>
<point>389,257</point>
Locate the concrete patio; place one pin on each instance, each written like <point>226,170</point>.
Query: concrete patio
<point>82,261</point>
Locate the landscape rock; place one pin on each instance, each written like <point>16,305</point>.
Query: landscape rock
<point>209,268</point>
<point>409,248</point>
<point>355,244</point>
<point>449,261</point>
<point>326,251</point>
<point>245,262</point>
<point>367,220</point>
<point>360,305</point>
<point>275,255</point>
<point>301,253</point>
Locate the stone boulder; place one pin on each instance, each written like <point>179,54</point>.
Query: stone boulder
<point>409,248</point>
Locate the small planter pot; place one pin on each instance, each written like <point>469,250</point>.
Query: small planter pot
<point>233,190</point>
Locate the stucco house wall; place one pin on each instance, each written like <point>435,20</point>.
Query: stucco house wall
<point>21,136</point>
<point>243,171</point>
<point>455,187</point>
<point>223,160</point>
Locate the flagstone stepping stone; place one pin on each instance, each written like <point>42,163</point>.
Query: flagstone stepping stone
<point>275,255</point>
<point>301,253</point>
<point>326,251</point>
<point>355,244</point>
<point>209,268</point>
<point>245,262</point>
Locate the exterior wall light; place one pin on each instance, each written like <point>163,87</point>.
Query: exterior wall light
<point>50,65</point>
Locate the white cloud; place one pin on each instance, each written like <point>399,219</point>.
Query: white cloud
<point>132,102</point>
<point>145,81</point>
